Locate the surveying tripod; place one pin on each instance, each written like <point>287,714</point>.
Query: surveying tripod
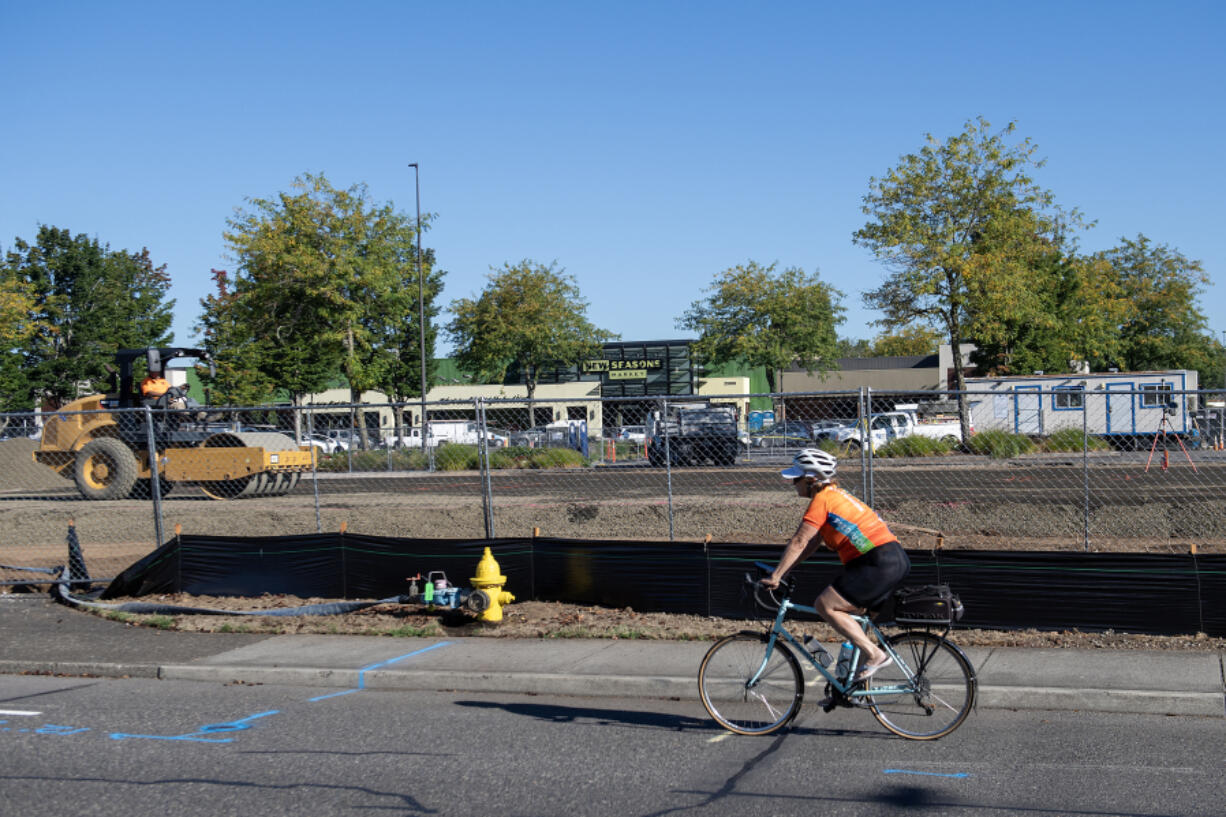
<point>1163,425</point>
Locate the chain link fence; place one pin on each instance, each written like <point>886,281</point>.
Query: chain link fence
<point>1051,469</point>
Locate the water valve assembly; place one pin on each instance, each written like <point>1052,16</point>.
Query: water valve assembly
<point>485,598</point>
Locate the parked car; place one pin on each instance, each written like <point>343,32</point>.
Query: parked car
<point>787,434</point>
<point>822,428</point>
<point>322,444</point>
<point>529,437</point>
<point>773,439</point>
<point>893,425</point>
<point>346,438</point>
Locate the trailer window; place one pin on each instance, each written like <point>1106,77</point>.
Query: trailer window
<point>1156,395</point>
<point>1068,398</point>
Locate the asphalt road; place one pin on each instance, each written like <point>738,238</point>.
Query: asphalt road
<point>133,747</point>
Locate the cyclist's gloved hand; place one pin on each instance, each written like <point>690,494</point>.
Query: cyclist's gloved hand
<point>769,582</point>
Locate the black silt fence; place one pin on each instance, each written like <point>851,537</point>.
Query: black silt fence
<point>1165,594</point>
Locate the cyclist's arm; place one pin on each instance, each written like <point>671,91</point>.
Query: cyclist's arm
<point>802,544</point>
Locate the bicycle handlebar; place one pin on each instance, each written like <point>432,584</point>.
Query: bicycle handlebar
<point>774,598</point>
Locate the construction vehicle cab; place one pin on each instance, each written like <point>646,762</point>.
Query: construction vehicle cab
<point>102,442</point>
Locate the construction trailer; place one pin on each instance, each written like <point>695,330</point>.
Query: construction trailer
<point>1120,406</point>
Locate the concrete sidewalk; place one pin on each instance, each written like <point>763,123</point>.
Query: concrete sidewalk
<point>43,637</point>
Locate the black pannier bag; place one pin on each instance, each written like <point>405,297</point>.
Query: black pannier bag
<point>929,604</point>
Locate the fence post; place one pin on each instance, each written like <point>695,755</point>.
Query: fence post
<point>310,420</point>
<point>1085,467</point>
<point>706,556</point>
<point>487,485</point>
<point>155,484</point>
<point>425,437</point>
<point>668,463</point>
<point>866,443</point>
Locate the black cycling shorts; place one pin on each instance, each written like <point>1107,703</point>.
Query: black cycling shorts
<point>868,580</point>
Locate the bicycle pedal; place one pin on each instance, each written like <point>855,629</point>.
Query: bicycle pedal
<point>828,704</point>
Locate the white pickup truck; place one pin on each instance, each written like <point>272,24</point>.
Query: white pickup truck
<point>463,432</point>
<point>893,425</point>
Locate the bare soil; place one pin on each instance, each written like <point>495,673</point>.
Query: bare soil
<point>39,505</point>
<point>537,619</point>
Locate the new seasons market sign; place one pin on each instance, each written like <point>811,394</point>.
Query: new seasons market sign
<point>635,369</point>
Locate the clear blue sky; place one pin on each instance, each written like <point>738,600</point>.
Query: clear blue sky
<point>643,146</point>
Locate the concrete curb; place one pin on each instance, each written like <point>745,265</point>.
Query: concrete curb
<point>86,669</point>
<point>1134,701</point>
<point>682,688</point>
<point>1144,702</point>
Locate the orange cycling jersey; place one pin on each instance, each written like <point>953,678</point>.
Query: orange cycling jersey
<point>846,525</point>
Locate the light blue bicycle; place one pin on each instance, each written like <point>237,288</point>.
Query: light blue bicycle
<point>751,683</point>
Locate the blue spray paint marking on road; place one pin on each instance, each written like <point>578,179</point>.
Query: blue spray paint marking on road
<point>56,729</point>
<point>331,695</point>
<point>204,733</point>
<point>207,729</point>
<point>925,774</point>
<point>362,672</point>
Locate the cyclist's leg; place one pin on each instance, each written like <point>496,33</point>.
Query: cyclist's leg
<point>864,584</point>
<point>838,611</point>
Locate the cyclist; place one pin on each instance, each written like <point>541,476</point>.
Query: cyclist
<point>873,561</point>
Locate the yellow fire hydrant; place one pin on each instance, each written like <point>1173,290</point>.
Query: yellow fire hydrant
<point>489,581</point>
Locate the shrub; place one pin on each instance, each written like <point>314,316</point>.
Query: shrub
<point>1001,444</point>
<point>452,457</point>
<point>556,458</point>
<point>629,451</point>
<point>831,447</point>
<point>1070,439</point>
<point>915,446</point>
<point>513,457</point>
<point>365,461</point>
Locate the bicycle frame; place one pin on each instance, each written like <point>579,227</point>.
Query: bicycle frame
<point>849,689</point>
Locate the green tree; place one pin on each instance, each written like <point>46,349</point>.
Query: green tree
<point>848,347</point>
<point>1077,306</point>
<point>396,329</point>
<point>16,312</point>
<point>1166,329</point>
<point>767,318</point>
<point>325,280</point>
<point>16,329</point>
<point>86,302</point>
<point>958,225</point>
<point>528,314</point>
<point>238,378</point>
<point>911,340</point>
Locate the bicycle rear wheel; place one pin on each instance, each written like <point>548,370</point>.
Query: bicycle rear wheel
<point>930,695</point>
<point>762,707</point>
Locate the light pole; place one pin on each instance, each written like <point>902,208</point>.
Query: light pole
<point>421,311</point>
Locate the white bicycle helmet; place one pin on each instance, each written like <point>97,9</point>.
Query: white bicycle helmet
<point>812,462</point>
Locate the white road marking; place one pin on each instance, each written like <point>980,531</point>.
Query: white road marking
<point>18,712</point>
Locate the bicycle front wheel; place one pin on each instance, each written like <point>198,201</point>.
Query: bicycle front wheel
<point>745,689</point>
<point>927,693</point>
